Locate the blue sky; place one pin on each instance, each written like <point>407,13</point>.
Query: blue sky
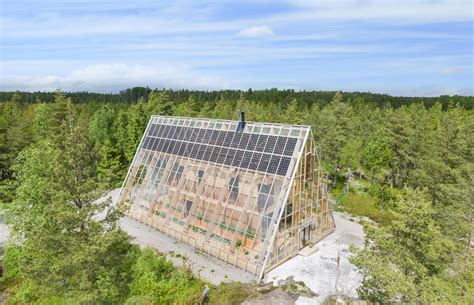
<point>417,47</point>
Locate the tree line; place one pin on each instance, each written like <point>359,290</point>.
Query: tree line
<point>132,95</point>
<point>415,158</point>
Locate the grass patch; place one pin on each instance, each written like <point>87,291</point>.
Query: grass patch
<point>364,205</point>
<point>231,293</point>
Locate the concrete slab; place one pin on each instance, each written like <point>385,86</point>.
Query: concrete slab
<point>327,271</point>
<point>307,251</point>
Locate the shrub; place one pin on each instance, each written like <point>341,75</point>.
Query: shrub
<point>365,205</point>
<point>383,192</point>
<point>231,293</point>
<point>157,281</point>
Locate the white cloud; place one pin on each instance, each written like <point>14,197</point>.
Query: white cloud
<point>452,70</point>
<point>179,46</point>
<point>389,11</point>
<point>58,26</point>
<point>256,31</point>
<point>113,77</point>
<point>305,11</point>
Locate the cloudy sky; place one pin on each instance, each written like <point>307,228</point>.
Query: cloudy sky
<point>400,47</point>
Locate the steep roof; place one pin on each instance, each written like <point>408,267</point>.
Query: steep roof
<point>265,147</point>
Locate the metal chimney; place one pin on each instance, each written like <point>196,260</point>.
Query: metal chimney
<point>241,126</point>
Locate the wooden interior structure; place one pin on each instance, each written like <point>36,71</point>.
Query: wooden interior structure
<point>250,194</point>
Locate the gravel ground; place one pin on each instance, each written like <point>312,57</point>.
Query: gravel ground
<point>206,267</point>
<point>203,265</point>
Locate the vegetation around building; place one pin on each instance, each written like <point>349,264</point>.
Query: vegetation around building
<point>406,163</point>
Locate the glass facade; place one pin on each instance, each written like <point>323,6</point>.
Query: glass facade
<point>252,198</point>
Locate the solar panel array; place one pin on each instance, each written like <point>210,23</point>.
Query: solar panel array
<point>266,153</point>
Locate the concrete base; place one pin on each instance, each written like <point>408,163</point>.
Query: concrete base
<point>307,251</point>
<point>326,271</point>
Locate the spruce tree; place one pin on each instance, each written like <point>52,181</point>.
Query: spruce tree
<point>186,108</point>
<point>159,103</point>
<point>101,124</point>
<point>69,248</point>
<point>137,121</point>
<point>400,262</point>
<point>110,168</point>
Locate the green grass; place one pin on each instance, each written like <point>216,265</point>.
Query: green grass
<point>367,199</point>
<point>364,205</point>
<point>231,293</point>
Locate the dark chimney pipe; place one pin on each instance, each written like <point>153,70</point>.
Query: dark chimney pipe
<point>241,126</point>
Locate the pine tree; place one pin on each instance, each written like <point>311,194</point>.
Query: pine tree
<point>63,239</point>
<point>58,115</point>
<point>333,130</point>
<point>101,124</point>
<point>110,169</point>
<point>41,123</point>
<point>291,115</point>
<point>15,132</point>
<point>377,154</point>
<point>401,261</point>
<point>205,111</point>
<point>159,103</point>
<point>186,108</point>
<point>223,110</point>
<point>351,156</point>
<point>137,121</point>
<point>120,134</point>
<point>399,133</point>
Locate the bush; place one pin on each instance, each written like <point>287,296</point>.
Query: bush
<point>231,293</point>
<point>365,205</point>
<point>157,281</point>
<point>10,263</point>
<point>384,193</point>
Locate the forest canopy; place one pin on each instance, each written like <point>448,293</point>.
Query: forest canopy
<point>132,95</point>
<point>412,158</point>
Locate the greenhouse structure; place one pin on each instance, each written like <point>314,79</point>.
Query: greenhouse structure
<point>250,194</point>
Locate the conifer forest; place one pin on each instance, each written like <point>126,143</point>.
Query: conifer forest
<point>405,163</point>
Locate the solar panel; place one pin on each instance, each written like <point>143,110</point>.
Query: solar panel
<point>223,147</point>
<point>262,143</point>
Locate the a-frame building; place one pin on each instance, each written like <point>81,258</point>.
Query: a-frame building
<point>250,194</point>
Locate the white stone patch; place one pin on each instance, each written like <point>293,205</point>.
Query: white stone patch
<point>321,271</point>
